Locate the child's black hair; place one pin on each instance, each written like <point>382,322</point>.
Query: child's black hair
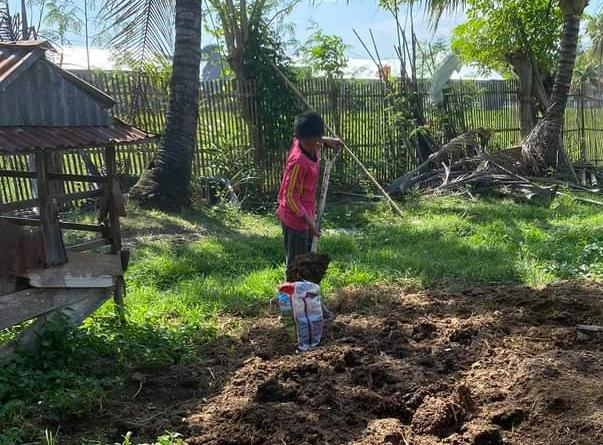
<point>308,267</point>
<point>309,125</point>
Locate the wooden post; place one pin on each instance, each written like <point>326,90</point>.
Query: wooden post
<point>8,284</point>
<point>114,199</point>
<point>115,202</point>
<point>51,230</point>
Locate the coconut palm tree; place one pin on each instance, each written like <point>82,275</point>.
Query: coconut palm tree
<point>542,145</point>
<point>146,27</point>
<point>14,26</point>
<point>166,182</point>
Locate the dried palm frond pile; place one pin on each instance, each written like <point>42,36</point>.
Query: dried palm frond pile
<point>465,165</point>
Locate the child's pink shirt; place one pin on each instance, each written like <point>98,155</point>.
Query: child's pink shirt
<point>297,194</point>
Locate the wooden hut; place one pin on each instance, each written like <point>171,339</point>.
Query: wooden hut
<point>46,111</point>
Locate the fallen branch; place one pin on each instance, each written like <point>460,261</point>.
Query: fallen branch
<point>578,198</point>
<point>565,184</point>
<point>589,328</point>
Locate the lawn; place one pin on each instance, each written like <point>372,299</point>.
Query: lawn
<point>201,276</point>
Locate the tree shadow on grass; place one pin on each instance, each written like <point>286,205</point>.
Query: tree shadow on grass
<point>239,267</point>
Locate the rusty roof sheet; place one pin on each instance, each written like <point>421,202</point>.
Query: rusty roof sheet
<point>15,140</point>
<point>11,61</point>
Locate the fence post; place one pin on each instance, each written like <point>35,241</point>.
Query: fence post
<point>581,126</point>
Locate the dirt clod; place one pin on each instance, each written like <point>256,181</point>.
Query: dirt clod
<point>509,417</point>
<point>383,432</point>
<point>489,436</point>
<point>463,398</point>
<point>558,405</point>
<point>309,267</point>
<point>272,391</point>
<point>438,417</point>
<point>463,336</point>
<point>351,358</point>
<point>423,331</point>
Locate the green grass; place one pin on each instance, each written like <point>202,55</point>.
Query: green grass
<point>181,295</point>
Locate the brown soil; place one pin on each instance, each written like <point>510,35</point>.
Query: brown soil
<point>309,267</point>
<point>488,365</point>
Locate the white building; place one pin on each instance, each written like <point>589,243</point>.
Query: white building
<point>366,69</point>
<point>75,58</point>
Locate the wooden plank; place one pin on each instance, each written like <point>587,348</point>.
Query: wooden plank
<point>24,305</point>
<point>51,232</point>
<point>78,178</point>
<point>17,174</point>
<point>75,313</point>
<point>97,228</point>
<point>89,245</point>
<point>64,225</point>
<point>89,194</point>
<point>83,270</point>
<point>18,205</point>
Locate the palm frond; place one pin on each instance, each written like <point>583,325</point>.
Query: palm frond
<point>146,27</point>
<point>10,25</point>
<point>437,8</point>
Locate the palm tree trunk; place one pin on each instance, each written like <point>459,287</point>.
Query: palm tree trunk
<point>166,182</point>
<point>541,147</point>
<point>24,25</point>
<point>522,65</point>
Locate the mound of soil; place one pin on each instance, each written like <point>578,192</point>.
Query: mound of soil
<point>309,267</point>
<point>489,365</point>
<point>485,366</point>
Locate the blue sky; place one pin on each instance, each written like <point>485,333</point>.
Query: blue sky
<point>341,17</point>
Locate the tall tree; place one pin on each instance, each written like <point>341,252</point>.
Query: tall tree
<point>254,45</point>
<point>517,37</point>
<point>145,30</point>
<point>325,54</point>
<point>166,182</point>
<point>543,145</point>
<point>240,22</point>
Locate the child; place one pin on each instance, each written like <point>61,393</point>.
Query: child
<point>297,194</point>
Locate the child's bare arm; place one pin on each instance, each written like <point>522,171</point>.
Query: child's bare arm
<point>332,142</point>
<point>313,229</point>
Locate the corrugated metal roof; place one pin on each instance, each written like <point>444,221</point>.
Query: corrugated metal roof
<point>107,100</point>
<point>15,55</point>
<point>11,61</point>
<point>22,139</point>
<point>41,44</point>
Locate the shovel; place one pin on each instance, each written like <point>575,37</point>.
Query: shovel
<point>323,194</point>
